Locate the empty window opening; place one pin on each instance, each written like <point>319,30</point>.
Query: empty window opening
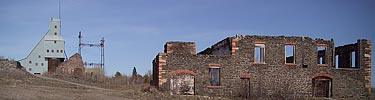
<point>353,59</point>
<point>214,73</point>
<point>54,41</point>
<point>289,54</point>
<point>52,51</point>
<point>322,54</point>
<point>337,61</point>
<point>55,33</point>
<point>57,51</point>
<point>259,53</point>
<point>41,64</point>
<point>36,73</point>
<point>47,51</point>
<point>39,56</point>
<point>30,62</point>
<point>29,69</point>
<point>55,26</point>
<point>61,51</point>
<point>36,64</point>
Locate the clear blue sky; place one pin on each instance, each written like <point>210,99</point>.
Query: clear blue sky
<point>135,31</point>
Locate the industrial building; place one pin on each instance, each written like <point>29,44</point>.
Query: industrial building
<point>48,53</point>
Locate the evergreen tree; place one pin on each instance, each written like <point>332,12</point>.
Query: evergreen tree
<point>134,74</point>
<point>118,74</point>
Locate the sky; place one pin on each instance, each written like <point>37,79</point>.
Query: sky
<point>136,30</point>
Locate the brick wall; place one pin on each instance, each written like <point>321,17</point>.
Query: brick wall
<point>365,61</point>
<point>72,66</point>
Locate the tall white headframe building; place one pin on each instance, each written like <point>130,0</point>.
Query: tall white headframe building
<point>48,53</point>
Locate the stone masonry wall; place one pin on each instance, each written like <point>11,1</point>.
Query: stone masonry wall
<point>180,47</point>
<point>271,79</point>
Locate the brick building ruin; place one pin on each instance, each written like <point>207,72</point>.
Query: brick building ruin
<point>265,66</point>
<point>72,66</point>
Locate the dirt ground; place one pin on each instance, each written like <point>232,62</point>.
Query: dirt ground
<point>17,84</point>
<point>35,88</point>
<point>45,88</point>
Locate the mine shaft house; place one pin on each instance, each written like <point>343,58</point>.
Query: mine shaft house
<point>48,55</point>
<point>265,66</point>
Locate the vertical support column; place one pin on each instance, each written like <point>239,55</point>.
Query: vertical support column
<point>194,49</point>
<point>79,42</point>
<point>365,60</point>
<point>234,46</point>
<point>102,54</point>
<point>162,61</point>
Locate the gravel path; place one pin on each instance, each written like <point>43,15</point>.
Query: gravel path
<point>87,86</point>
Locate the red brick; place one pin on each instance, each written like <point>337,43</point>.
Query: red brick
<point>322,74</point>
<point>214,65</point>
<point>179,71</point>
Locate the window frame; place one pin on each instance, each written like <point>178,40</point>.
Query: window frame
<point>353,62</point>
<point>214,76</point>
<point>293,45</point>
<point>324,60</point>
<point>337,61</point>
<point>262,53</point>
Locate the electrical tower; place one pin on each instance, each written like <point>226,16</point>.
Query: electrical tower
<point>101,45</point>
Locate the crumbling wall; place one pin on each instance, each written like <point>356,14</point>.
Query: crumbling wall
<point>221,48</point>
<point>361,68</point>
<point>159,71</point>
<point>180,47</point>
<point>228,46</point>
<point>72,66</point>
<point>273,78</point>
<point>344,54</point>
<point>364,57</point>
<point>200,64</point>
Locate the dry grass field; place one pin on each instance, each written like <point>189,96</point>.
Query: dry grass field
<point>17,84</point>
